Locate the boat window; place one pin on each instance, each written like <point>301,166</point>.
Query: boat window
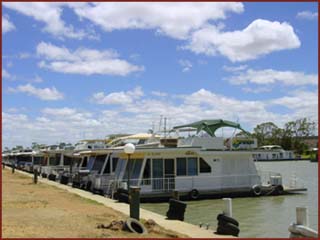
<point>24,158</point>
<point>66,160</point>
<point>192,166</point>
<point>84,162</point>
<point>98,162</point>
<point>135,168</point>
<point>181,167</point>
<point>54,160</point>
<point>107,168</point>
<point>37,160</point>
<point>204,167</point>
<point>114,164</point>
<point>120,167</point>
<point>90,162</point>
<point>157,168</point>
<point>76,161</point>
<point>147,173</point>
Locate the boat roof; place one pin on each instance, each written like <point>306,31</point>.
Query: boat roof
<point>211,125</point>
<point>271,147</point>
<point>138,135</point>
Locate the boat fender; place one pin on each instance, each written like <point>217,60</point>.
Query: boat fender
<point>303,231</point>
<point>194,194</point>
<point>225,219</point>
<point>228,229</point>
<point>88,185</point>
<point>279,190</point>
<point>135,226</point>
<point>256,189</point>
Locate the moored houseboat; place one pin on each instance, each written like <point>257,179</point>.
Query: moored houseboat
<point>195,166</point>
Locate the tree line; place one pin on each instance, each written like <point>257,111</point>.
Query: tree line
<point>290,137</point>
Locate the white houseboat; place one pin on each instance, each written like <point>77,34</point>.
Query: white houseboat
<point>272,153</point>
<point>56,160</point>
<point>194,166</point>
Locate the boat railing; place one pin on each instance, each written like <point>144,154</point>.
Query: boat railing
<point>274,178</point>
<point>187,183</point>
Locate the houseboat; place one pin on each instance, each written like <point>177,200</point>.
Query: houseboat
<point>57,159</point>
<point>86,152</point>
<point>195,166</point>
<point>98,164</point>
<point>272,153</point>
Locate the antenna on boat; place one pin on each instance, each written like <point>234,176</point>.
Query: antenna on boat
<point>160,123</point>
<point>165,127</point>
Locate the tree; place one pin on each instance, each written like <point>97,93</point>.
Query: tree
<point>297,130</point>
<point>264,132</point>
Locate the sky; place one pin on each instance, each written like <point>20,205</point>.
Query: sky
<point>74,71</point>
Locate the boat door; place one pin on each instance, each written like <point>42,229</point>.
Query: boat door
<point>169,175</point>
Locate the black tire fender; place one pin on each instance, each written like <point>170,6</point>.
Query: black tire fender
<point>135,226</point>
<point>279,190</point>
<point>225,219</point>
<point>256,190</point>
<point>194,194</point>
<point>228,229</point>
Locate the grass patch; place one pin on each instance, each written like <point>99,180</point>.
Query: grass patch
<point>86,200</point>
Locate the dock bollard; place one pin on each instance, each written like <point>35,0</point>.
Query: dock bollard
<point>134,201</point>
<point>301,229</point>
<point>13,168</point>
<point>3,166</point>
<point>176,210</point>
<point>227,207</point>
<point>35,176</point>
<point>226,224</point>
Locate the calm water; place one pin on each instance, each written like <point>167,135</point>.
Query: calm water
<point>264,216</point>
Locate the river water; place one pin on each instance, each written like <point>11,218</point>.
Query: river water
<point>260,217</point>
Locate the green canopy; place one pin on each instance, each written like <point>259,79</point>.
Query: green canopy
<point>210,126</point>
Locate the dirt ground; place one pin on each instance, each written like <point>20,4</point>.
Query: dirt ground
<point>41,211</point>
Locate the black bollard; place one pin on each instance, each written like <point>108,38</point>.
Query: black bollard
<point>3,166</point>
<point>13,168</point>
<point>134,200</point>
<point>35,176</point>
<point>176,210</point>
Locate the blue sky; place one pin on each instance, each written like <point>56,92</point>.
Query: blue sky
<point>84,70</point>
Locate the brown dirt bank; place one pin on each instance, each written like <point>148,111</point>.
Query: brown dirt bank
<point>42,211</point>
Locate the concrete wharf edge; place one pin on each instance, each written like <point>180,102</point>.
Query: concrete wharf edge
<point>188,229</point>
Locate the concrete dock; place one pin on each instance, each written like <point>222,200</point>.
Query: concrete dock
<point>174,225</point>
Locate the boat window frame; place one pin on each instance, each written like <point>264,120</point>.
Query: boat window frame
<point>201,158</point>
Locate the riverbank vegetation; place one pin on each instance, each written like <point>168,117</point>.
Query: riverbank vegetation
<point>290,137</point>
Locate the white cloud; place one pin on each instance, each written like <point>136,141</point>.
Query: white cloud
<point>172,19</point>
<point>138,115</point>
<point>84,61</point>
<point>307,15</point>
<point>118,97</point>
<point>37,79</point>
<point>256,90</point>
<point>24,55</point>
<point>271,76</point>
<point>185,64</point>
<point>7,26</point>
<point>5,74</point>
<point>159,94</point>
<point>234,68</point>
<point>261,37</point>
<point>48,94</point>
<point>50,15</point>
